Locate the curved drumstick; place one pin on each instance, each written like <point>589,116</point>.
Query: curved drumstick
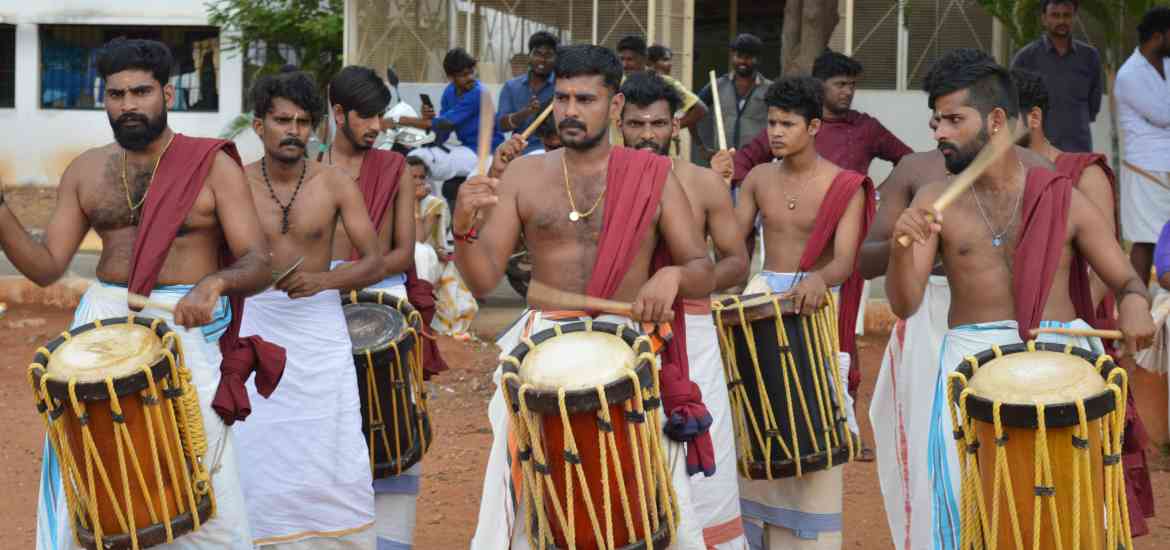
<point>718,112</point>
<point>990,153</point>
<point>546,296</point>
<point>536,123</point>
<point>487,118</point>
<point>1085,332</point>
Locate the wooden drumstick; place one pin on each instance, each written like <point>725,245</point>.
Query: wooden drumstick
<point>487,119</point>
<point>718,112</point>
<point>990,153</point>
<point>536,124</point>
<point>1085,332</point>
<point>546,296</point>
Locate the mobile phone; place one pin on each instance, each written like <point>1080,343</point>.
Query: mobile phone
<point>426,100</point>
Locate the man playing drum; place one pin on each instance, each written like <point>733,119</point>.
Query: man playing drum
<point>1011,215</point>
<point>304,462</point>
<point>358,97</point>
<point>815,216</point>
<point>170,210</point>
<point>903,391</point>
<point>557,201</point>
<point>647,123</point>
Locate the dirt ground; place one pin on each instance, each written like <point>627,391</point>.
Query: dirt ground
<point>453,468</point>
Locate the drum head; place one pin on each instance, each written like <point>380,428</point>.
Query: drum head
<point>110,351</point>
<point>373,327</point>
<point>1037,378</point>
<point>577,360</point>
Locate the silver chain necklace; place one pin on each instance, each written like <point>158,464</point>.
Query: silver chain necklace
<point>997,238</point>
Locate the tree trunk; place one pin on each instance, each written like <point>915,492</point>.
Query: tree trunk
<point>808,24</point>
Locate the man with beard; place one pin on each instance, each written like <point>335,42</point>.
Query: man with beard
<point>304,464</point>
<point>1011,217</point>
<point>903,392</point>
<point>1143,113</point>
<point>647,123</point>
<point>177,223</point>
<point>358,98</point>
<point>1073,71</point>
<point>599,220</point>
<point>524,97</point>
<point>741,97</point>
<point>815,215</point>
<point>633,54</point>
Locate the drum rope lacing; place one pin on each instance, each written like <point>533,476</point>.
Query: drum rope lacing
<point>822,343</point>
<point>979,531</point>
<point>182,427</point>
<point>650,471</point>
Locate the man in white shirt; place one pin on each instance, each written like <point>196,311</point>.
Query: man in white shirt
<point>1143,109</point>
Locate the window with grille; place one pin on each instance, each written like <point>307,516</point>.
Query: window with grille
<point>936,27</point>
<point>68,64</point>
<point>7,66</point>
<point>875,43</point>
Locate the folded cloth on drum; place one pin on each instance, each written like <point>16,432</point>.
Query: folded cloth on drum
<point>228,528</point>
<point>943,461</point>
<point>304,460</point>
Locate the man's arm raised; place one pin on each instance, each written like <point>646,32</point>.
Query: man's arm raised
<point>896,195</point>
<point>45,262</point>
<point>488,206</point>
<point>692,275</point>
<point>237,216</point>
<point>909,268</point>
<point>732,267</point>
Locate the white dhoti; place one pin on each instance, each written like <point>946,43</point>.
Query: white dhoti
<point>715,498</point>
<point>943,466</point>
<point>900,415</point>
<point>498,527</point>
<point>795,513</point>
<point>1145,204</point>
<point>1149,386</point>
<point>304,463</point>
<point>228,528</point>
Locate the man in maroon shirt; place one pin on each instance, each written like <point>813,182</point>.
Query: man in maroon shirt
<point>848,138</point>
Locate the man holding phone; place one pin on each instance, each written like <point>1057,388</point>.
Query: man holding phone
<point>459,105</point>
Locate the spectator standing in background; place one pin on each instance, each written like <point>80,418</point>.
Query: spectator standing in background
<point>741,98</point>
<point>661,59</point>
<point>1143,113</point>
<point>1072,70</point>
<point>632,52</point>
<point>459,108</point>
<point>524,97</point>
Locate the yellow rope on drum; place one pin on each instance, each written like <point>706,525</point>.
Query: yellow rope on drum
<point>654,428</point>
<point>396,400</point>
<point>150,403</point>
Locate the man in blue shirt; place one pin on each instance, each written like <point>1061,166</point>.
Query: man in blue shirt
<point>459,107</point>
<point>524,97</point>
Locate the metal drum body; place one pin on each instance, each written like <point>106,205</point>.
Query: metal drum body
<point>786,395</point>
<point>1039,438</point>
<point>583,399</point>
<point>125,423</point>
<point>385,330</point>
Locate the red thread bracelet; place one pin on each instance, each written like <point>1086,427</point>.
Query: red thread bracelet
<point>470,237</point>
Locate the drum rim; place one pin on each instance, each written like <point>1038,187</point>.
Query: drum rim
<point>412,456</point>
<point>150,535</point>
<point>757,306</point>
<point>97,390</point>
<point>377,297</point>
<point>810,463</point>
<point>1023,415</point>
<point>585,399</point>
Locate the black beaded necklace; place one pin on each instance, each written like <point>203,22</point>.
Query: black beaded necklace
<point>284,209</point>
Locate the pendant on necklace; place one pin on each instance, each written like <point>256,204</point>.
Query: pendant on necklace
<point>792,205</point>
<point>996,241</point>
<point>574,215</point>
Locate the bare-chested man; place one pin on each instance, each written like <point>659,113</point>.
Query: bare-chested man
<point>304,464</point>
<point>804,198</point>
<point>984,243</point>
<point>165,206</point>
<point>647,123</point>
<point>577,207</point>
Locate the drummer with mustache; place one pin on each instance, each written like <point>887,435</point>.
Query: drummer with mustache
<point>815,215</point>
<point>304,463</point>
<point>595,217</point>
<point>177,223</point>
<point>1011,247</point>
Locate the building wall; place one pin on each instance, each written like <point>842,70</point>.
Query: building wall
<point>37,144</point>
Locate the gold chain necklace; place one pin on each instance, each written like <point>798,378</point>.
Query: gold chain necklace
<point>791,200</point>
<point>126,185</point>
<point>574,215</point>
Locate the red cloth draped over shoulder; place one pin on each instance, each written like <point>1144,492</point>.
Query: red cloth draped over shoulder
<point>1073,165</point>
<point>633,193</point>
<point>177,183</point>
<point>1043,232</point>
<point>833,207</point>
<point>378,181</point>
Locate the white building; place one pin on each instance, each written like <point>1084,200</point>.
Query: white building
<point>50,94</point>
